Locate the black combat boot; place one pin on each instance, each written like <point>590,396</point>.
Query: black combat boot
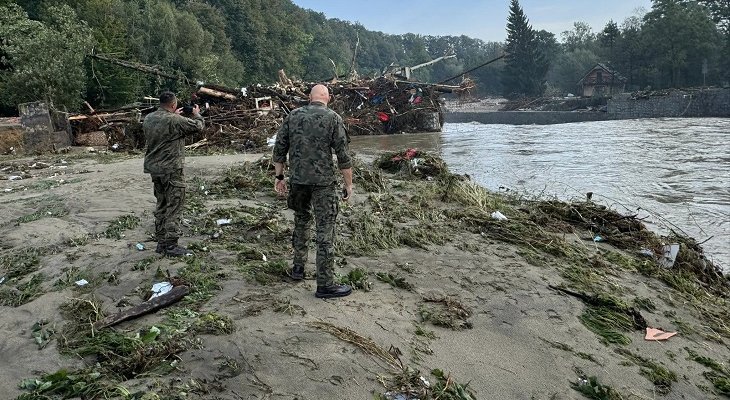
<point>160,247</point>
<point>172,249</point>
<point>327,292</point>
<point>297,272</point>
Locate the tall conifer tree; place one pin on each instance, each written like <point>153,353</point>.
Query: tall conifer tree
<point>525,65</point>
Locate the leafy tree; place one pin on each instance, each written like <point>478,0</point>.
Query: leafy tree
<point>580,37</point>
<point>720,10</point>
<point>45,57</point>
<point>569,67</point>
<point>694,38</point>
<point>608,37</point>
<point>525,65</point>
<point>629,54</point>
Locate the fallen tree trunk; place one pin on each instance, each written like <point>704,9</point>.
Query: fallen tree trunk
<point>177,293</point>
<point>216,93</point>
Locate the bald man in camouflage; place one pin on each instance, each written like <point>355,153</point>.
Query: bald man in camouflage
<point>309,135</point>
<point>165,131</point>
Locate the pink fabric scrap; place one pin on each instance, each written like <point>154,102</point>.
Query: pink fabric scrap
<point>658,334</point>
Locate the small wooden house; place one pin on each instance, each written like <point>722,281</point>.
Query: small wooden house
<point>601,80</point>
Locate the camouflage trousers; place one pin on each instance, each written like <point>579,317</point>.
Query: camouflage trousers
<point>170,194</point>
<point>325,203</point>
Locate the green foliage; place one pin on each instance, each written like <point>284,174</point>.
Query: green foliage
<point>394,280</point>
<point>22,293</point>
<point>661,377</point>
<point>358,279</point>
<point>86,383</point>
<point>607,323</point>
<point>45,43</point>
<point>116,228</point>
<point>21,262</point>
<point>215,324</point>
<point>695,38</point>
<point>448,389</point>
<point>45,57</point>
<point>592,389</point>
<point>525,65</point>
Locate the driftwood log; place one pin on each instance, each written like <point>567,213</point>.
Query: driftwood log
<point>151,305</point>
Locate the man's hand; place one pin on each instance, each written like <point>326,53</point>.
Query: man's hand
<point>347,192</point>
<point>280,187</point>
<point>179,111</point>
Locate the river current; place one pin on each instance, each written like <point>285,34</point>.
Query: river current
<point>674,172</point>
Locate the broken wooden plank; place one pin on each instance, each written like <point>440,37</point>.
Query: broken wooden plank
<point>151,305</point>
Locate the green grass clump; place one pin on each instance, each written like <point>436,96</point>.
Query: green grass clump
<point>645,303</point>
<point>707,362</point>
<point>424,333</point>
<point>721,383</point>
<point>144,263</point>
<point>201,277</point>
<point>607,323</point>
<point>592,389</point>
<point>394,280</point>
<point>50,208</point>
<point>22,293</point>
<point>358,279</point>
<point>19,263</point>
<point>656,373</point>
<point>119,355</point>
<point>720,374</point>
<point>446,312</point>
<point>116,228</point>
<point>86,383</point>
<point>215,324</point>
<point>266,272</point>
<point>447,388</point>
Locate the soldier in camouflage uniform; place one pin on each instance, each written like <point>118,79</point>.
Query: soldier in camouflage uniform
<point>309,135</point>
<point>165,131</point>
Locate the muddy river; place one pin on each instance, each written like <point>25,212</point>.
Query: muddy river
<point>675,172</point>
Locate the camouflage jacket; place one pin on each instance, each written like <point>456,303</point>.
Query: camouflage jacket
<point>165,132</point>
<point>309,135</point>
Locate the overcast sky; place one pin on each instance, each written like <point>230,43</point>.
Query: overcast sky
<point>483,19</point>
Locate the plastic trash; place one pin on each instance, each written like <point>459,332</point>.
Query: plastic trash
<point>646,252</point>
<point>658,334</point>
<point>140,246</point>
<point>160,288</point>
<point>597,238</point>
<point>669,255</point>
<point>81,282</point>
<point>271,141</point>
<point>498,216</point>
<point>8,190</point>
<point>2,280</point>
<point>224,221</point>
<point>14,178</point>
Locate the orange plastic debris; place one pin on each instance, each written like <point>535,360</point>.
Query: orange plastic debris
<point>657,334</point>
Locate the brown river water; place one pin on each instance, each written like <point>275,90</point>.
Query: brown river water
<point>674,172</point>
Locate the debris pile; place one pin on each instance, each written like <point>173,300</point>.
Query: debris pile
<point>412,163</point>
<point>244,119</point>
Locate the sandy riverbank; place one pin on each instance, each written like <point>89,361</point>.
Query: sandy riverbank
<point>470,296</point>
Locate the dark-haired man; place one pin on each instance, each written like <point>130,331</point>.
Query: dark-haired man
<point>165,131</point>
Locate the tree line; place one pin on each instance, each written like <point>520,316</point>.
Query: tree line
<point>45,47</point>
<point>678,43</point>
